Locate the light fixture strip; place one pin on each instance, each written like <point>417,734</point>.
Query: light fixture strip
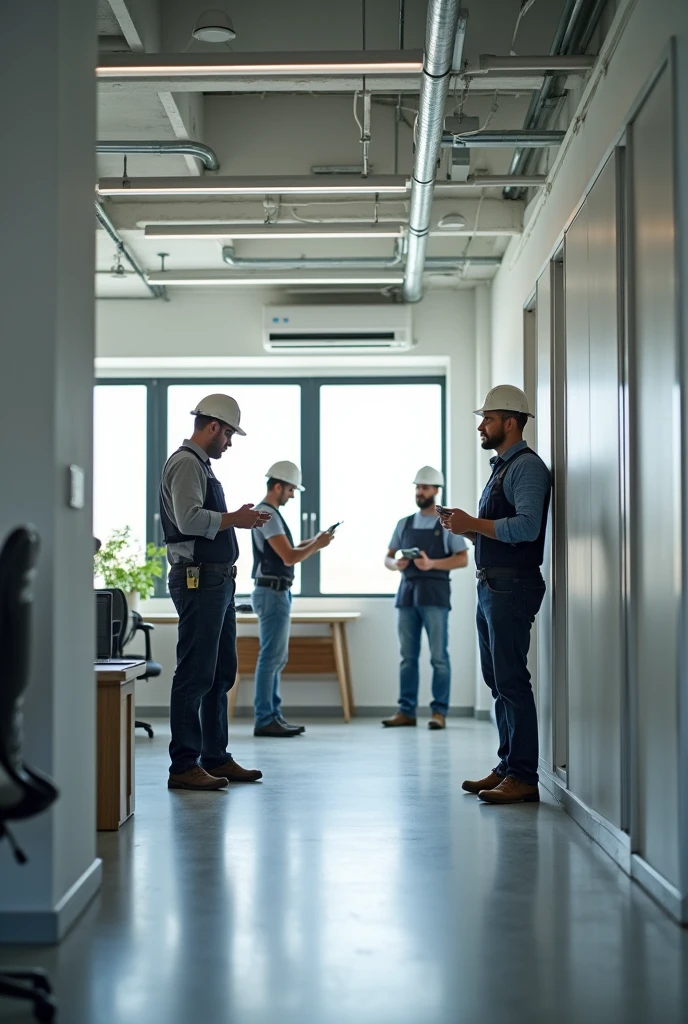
<point>207,186</point>
<point>262,232</point>
<point>204,277</point>
<point>269,65</point>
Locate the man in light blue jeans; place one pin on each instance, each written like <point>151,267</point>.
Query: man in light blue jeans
<point>274,558</point>
<point>420,551</point>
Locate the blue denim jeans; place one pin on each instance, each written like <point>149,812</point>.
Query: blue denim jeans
<point>206,670</point>
<point>272,608</point>
<point>410,624</point>
<point>506,612</point>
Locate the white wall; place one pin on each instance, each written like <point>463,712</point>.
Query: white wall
<point>213,326</point>
<point>646,36</point>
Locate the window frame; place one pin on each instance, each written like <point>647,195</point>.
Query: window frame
<point>156,448</point>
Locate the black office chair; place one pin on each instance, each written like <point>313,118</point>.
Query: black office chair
<point>129,625</point>
<point>24,792</point>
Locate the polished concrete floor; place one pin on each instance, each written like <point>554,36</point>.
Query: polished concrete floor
<point>358,885</point>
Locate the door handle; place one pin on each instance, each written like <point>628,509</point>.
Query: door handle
<point>313,520</point>
<point>304,526</point>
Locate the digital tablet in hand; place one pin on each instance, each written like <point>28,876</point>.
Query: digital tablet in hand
<point>410,553</point>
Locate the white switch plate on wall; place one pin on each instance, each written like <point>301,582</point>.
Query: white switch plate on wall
<point>76,486</point>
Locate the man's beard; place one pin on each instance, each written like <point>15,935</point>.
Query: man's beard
<point>488,443</point>
<point>215,452</point>
<point>422,502</point>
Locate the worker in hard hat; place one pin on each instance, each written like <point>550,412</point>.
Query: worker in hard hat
<point>274,558</point>
<point>509,534</point>
<point>202,551</point>
<point>422,600</point>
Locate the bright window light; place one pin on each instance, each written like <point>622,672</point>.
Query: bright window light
<point>114,505</point>
<point>373,439</point>
<point>271,416</point>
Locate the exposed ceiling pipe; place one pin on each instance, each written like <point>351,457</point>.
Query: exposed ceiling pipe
<point>165,147</point>
<point>156,291</point>
<point>571,33</point>
<point>439,55</point>
<point>314,263</point>
<point>523,138</point>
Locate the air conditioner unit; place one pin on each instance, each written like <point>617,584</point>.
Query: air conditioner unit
<point>337,329</point>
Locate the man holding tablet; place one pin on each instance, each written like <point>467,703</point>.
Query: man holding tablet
<point>274,558</point>
<point>424,554</point>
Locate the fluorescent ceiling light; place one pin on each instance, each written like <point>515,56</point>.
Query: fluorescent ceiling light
<point>186,65</point>
<point>513,62</point>
<point>301,232</point>
<point>201,278</point>
<point>207,186</point>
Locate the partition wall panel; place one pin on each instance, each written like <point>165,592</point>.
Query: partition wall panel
<point>596,646</point>
<point>578,537</point>
<point>543,444</point>
<point>656,491</point>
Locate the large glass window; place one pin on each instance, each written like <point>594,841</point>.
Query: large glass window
<point>119,460</point>
<point>271,417</point>
<point>362,442</point>
<point>373,439</point>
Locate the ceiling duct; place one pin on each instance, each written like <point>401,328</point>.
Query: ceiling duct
<point>164,147</point>
<point>438,58</point>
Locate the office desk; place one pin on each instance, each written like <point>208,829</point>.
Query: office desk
<point>308,655</point>
<point>115,732</point>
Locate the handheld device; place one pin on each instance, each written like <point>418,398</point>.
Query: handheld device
<point>442,511</point>
<point>410,553</point>
<point>331,529</point>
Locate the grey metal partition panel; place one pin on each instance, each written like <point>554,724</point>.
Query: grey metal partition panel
<point>578,501</point>
<point>559,532</point>
<point>543,427</point>
<point>656,409</point>
<point>607,650</point>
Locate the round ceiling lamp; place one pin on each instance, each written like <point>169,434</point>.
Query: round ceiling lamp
<point>213,26</point>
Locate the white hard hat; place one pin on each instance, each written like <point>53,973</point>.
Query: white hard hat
<point>505,398</point>
<point>223,408</point>
<point>287,473</point>
<point>429,476</point>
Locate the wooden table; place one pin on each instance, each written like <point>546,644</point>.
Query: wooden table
<point>116,717</point>
<point>308,655</point>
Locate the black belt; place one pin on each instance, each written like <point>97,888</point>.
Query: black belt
<point>274,582</point>
<point>496,572</point>
<point>223,568</point>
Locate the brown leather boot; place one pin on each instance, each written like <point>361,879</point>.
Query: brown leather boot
<point>233,772</point>
<point>490,782</point>
<point>195,778</point>
<point>398,719</point>
<point>437,721</point>
<point>511,791</point>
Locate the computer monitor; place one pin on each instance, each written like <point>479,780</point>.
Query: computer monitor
<point>103,625</point>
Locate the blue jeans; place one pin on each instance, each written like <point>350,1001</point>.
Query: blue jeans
<point>206,670</point>
<point>506,612</point>
<point>410,623</point>
<point>272,608</point>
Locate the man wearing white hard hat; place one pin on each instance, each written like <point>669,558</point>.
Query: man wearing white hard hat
<point>424,554</point>
<point>274,558</point>
<point>509,535</point>
<point>202,551</point>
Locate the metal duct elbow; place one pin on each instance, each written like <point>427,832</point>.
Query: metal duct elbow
<point>164,147</point>
<point>441,34</point>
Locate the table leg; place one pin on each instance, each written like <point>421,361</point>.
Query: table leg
<point>347,668</point>
<point>341,669</point>
<point>232,697</point>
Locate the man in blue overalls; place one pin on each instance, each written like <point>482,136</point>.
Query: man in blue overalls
<point>423,599</point>
<point>202,550</point>
<point>274,558</point>
<point>509,536</point>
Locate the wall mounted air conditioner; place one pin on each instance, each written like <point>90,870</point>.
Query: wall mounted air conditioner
<point>337,329</point>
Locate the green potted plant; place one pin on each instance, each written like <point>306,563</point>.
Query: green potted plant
<point>121,563</point>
